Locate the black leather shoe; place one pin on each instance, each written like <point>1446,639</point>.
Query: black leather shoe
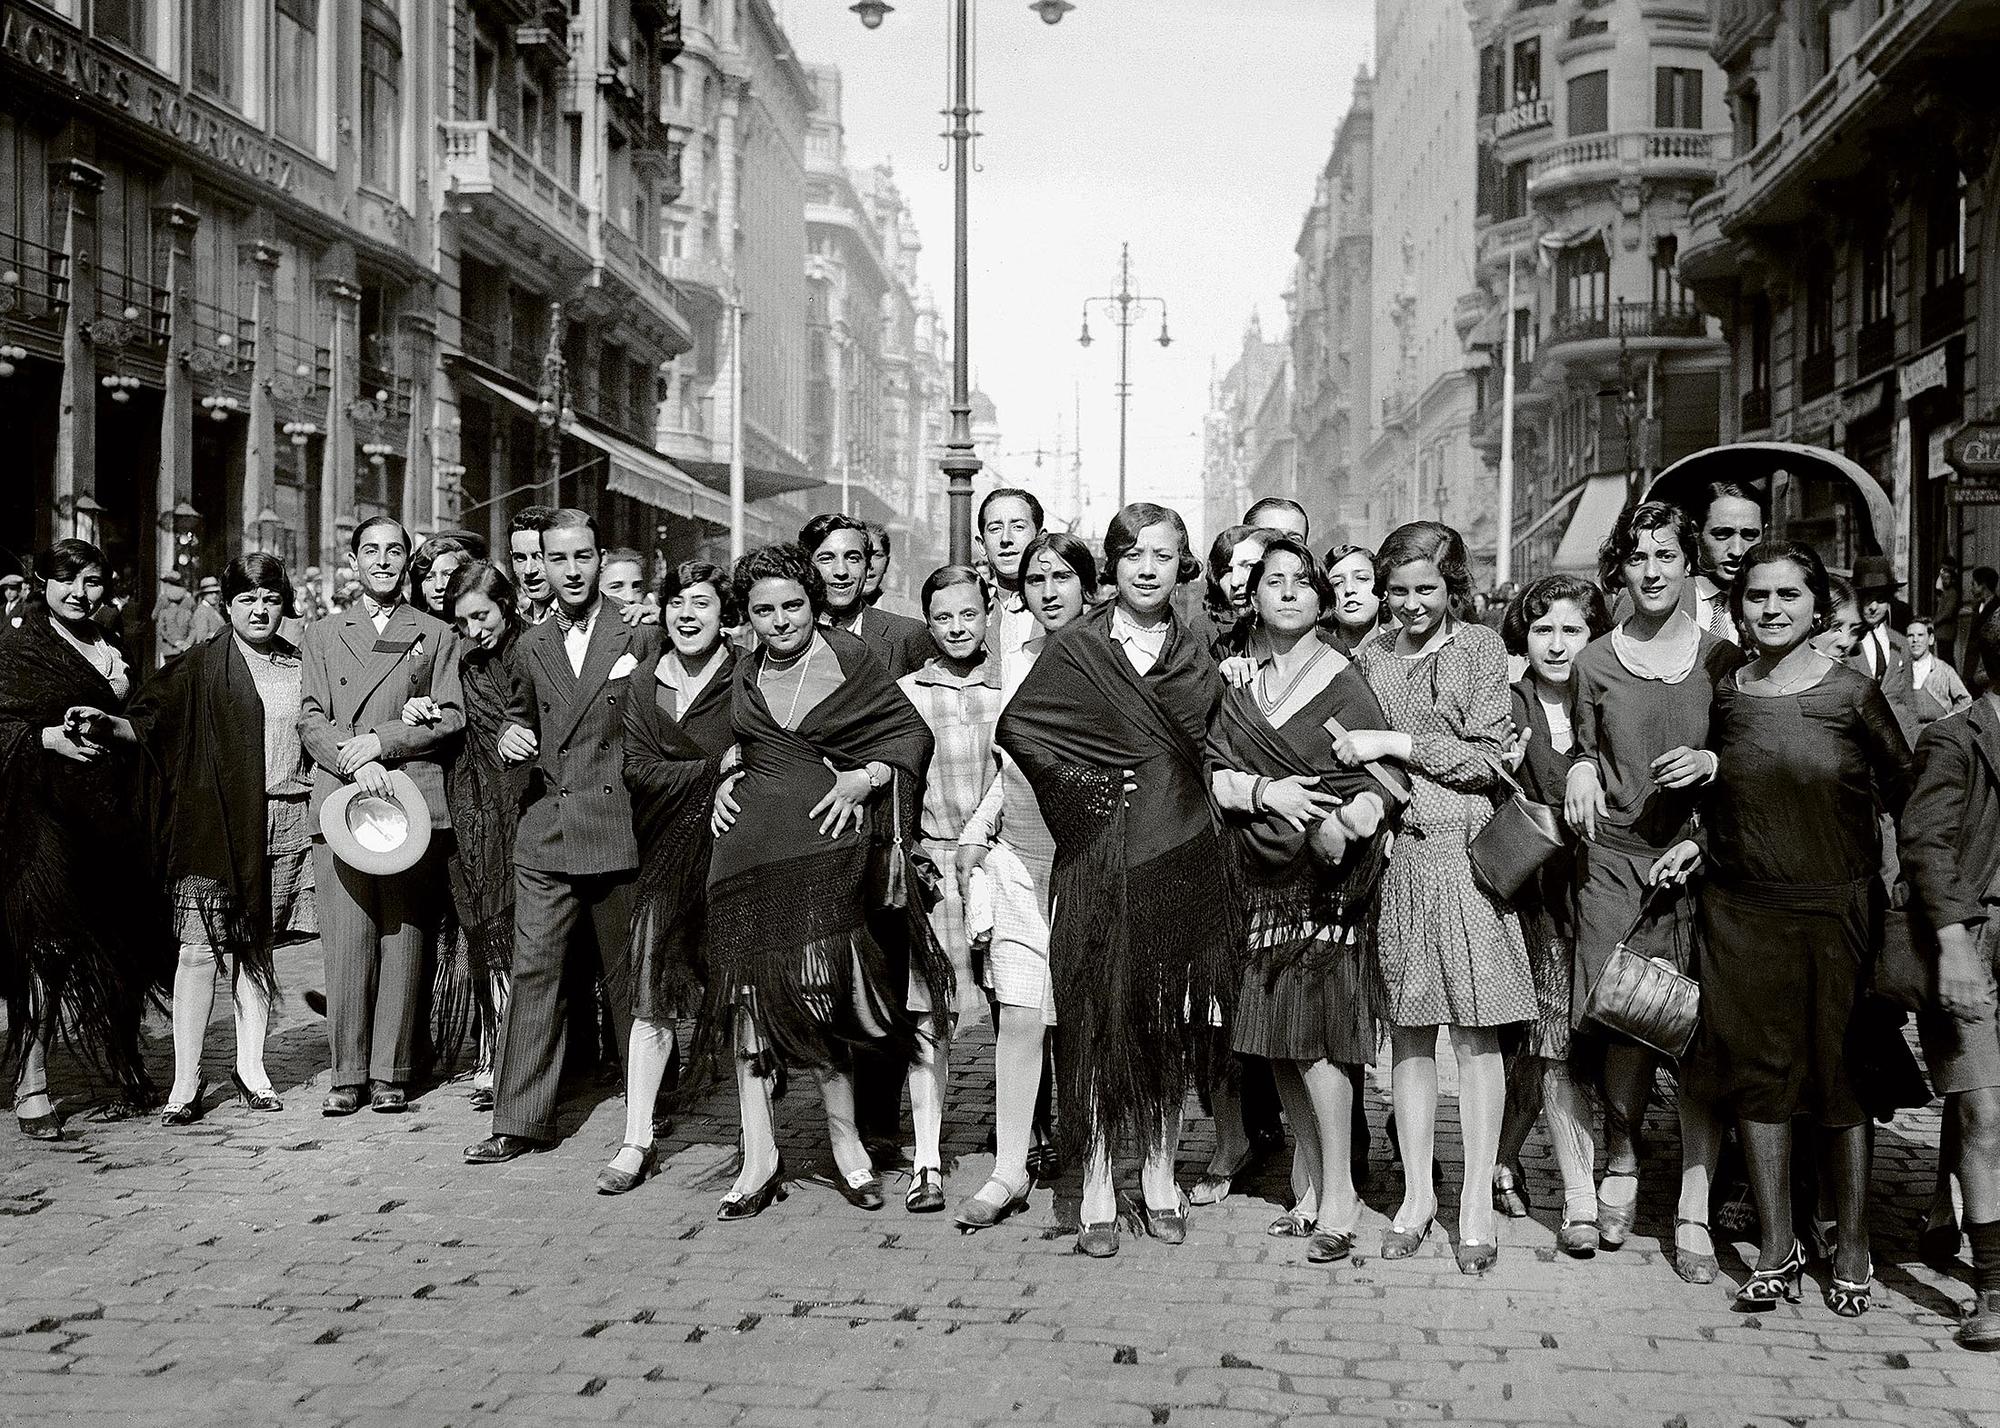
<point>747,1207</point>
<point>389,1100</point>
<point>865,1196</point>
<point>341,1101</point>
<point>264,1100</point>
<point>613,1181</point>
<point>187,1112</point>
<point>499,1149</point>
<point>926,1195</point>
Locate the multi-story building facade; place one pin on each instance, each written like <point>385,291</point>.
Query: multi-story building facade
<point>738,98</point>
<point>1248,412</point>
<point>216,223</point>
<point>1329,303</point>
<point>1599,122</point>
<point>1852,250</point>
<point>1418,462</point>
<point>556,317</point>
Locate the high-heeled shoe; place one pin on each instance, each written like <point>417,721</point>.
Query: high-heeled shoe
<point>977,1214</point>
<point>264,1100</point>
<point>1850,1298</point>
<point>1476,1258</point>
<point>42,1127</point>
<point>187,1112</point>
<point>865,1196</point>
<point>1510,1192</point>
<point>613,1181</point>
<point>740,1205</point>
<point>1825,1237</point>
<point>1614,1222</point>
<point>1768,1288</point>
<point>1691,1266</point>
<point>1399,1243</point>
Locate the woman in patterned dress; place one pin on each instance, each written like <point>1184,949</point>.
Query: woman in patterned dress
<point>222,727</point>
<point>1548,624</point>
<point>1006,858</point>
<point>1449,954</point>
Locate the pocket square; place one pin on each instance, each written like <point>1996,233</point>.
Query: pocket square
<point>625,665</point>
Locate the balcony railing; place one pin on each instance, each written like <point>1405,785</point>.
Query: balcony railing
<point>1686,152</point>
<point>34,280</point>
<point>1627,320</point>
<point>1753,412</point>
<point>223,336</point>
<point>697,272</point>
<point>297,361</point>
<point>1815,374</point>
<point>124,298</point>
<point>479,159</point>
<point>638,272</point>
<point>1942,310</point>
<point>1874,346</point>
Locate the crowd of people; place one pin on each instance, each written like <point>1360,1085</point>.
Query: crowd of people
<point>1717,818</point>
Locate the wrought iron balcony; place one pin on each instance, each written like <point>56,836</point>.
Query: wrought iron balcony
<point>1627,321</point>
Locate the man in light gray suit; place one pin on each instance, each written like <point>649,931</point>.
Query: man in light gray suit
<point>575,853</point>
<point>361,666</point>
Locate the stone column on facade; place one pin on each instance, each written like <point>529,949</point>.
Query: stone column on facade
<point>175,224</point>
<point>77,183</point>
<point>260,463</point>
<point>336,484</point>
<point>728,115</point>
<point>420,357</point>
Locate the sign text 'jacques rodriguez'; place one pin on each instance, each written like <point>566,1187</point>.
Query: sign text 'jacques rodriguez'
<point>79,64</point>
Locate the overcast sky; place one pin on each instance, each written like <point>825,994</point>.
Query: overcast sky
<point>1192,128</point>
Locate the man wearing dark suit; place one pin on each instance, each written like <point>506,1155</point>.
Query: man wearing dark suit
<point>1985,602</point>
<point>575,853</point>
<point>838,545</point>
<point>361,667</point>
<point>1884,655</point>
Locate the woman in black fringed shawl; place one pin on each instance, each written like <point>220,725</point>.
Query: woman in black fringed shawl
<point>824,736</point>
<point>222,726</point>
<point>1308,838</point>
<point>484,795</point>
<point>73,961</point>
<point>677,730</point>
<point>1108,726</point>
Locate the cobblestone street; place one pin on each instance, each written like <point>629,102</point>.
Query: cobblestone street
<point>290,1269</point>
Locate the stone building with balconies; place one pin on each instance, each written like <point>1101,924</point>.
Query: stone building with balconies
<point>556,317</point>
<point>1599,123</point>
<point>1328,305</point>
<point>1852,251</point>
<point>1246,412</point>
<point>215,297</point>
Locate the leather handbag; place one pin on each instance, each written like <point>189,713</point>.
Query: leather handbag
<point>1517,840</point>
<point>1646,998</point>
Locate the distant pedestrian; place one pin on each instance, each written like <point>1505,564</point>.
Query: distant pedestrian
<point>173,617</point>
<point>209,621</point>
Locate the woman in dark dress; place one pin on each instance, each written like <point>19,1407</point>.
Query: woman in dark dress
<point>484,795</point>
<point>1307,836</point>
<point>73,962</point>
<point>1808,752</point>
<point>1109,728</point>
<point>222,726</point>
<point>1548,624</point>
<point>1642,698</point>
<point>794,974</point>
<point>677,730</point>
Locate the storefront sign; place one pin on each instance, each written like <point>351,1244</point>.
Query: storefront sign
<point>95,72</point>
<point>1927,373</point>
<point>1974,452</point>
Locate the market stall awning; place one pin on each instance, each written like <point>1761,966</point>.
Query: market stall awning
<point>1596,512</point>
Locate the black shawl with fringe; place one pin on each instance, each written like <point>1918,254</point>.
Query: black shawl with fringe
<point>1146,929</point>
<point>85,931</point>
<point>787,907</point>
<point>202,721</point>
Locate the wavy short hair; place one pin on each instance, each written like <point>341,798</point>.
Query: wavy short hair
<point>1635,521</point>
<point>1122,536</point>
<point>1776,552</point>
<point>259,570</point>
<point>1540,596</point>
<point>1315,573</point>
<point>1071,550</point>
<point>481,577</point>
<point>690,573</point>
<point>427,556</point>
<point>65,560</point>
<point>784,561</point>
<point>813,534</point>
<point>1441,546</point>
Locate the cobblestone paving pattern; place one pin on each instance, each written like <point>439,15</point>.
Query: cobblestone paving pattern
<point>287,1269</point>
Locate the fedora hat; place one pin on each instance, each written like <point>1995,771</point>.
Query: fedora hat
<point>1874,572</point>
<point>377,835</point>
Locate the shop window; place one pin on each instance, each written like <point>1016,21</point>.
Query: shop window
<point>1528,70</point>
<point>295,42</point>
<point>1676,98</point>
<point>381,96</point>
<point>215,49</point>
<point>127,22</point>
<point>1590,103</point>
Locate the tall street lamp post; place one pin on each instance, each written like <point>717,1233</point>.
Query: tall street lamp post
<point>1124,306</point>
<point>960,462</point>
<point>553,413</point>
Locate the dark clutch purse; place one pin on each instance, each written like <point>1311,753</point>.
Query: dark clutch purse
<point>1646,998</point>
<point>1520,837</point>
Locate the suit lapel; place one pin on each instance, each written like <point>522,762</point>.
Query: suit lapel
<point>609,638</point>
<point>401,629</point>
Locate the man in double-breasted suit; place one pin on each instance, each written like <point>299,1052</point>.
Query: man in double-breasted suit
<point>361,666</point>
<point>576,853</point>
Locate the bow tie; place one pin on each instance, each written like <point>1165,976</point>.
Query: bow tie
<point>376,609</point>
<point>565,623</point>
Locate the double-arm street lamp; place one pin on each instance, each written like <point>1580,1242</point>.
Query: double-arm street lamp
<point>960,463</point>
<point>1124,306</point>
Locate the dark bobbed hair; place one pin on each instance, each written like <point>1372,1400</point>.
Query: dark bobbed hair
<point>1014,493</point>
<point>690,573</point>
<point>1441,546</point>
<point>368,523</point>
<point>1122,536</point>
<point>1221,551</point>
<point>784,561</point>
<point>1776,552</point>
<point>481,577</point>
<point>421,563</point>
<point>1287,543</point>
<point>1071,550</point>
<point>259,570</point>
<point>813,534</point>
<point>1540,596</point>
<point>1282,503</point>
<point>1635,521</point>
<point>65,560</point>
<point>531,518</point>
<point>945,577</point>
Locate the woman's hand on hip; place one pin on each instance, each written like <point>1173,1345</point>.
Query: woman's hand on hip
<point>845,805</point>
<point>723,816</point>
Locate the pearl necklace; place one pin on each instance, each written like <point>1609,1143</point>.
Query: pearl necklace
<point>805,667</point>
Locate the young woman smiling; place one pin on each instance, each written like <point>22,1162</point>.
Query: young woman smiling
<point>1808,752</point>
<point>1448,954</point>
